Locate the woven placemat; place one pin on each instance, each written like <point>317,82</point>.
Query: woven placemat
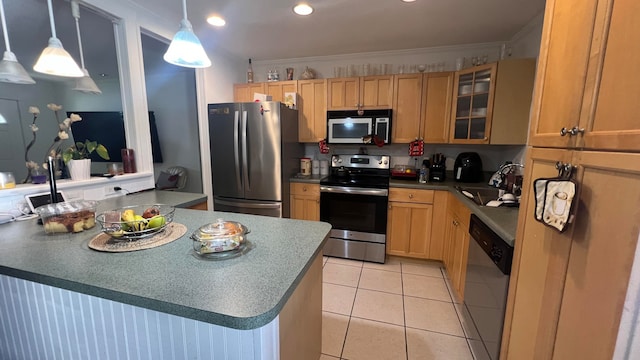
<point>104,242</point>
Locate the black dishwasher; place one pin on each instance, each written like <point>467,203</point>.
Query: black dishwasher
<point>486,287</point>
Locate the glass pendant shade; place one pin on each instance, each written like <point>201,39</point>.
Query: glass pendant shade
<point>10,69</point>
<point>12,72</point>
<point>55,60</point>
<point>186,50</point>
<point>86,84</point>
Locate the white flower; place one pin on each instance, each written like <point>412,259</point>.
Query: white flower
<point>34,110</point>
<point>32,165</point>
<point>75,117</point>
<point>54,107</point>
<point>33,127</point>
<point>65,124</point>
<point>63,135</point>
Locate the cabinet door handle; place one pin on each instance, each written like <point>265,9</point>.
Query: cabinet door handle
<point>304,188</point>
<point>564,131</point>
<point>410,196</point>
<point>576,130</point>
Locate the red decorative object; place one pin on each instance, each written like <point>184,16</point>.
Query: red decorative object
<point>416,148</point>
<point>324,148</point>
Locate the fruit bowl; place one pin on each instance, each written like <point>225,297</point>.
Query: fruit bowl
<point>135,222</point>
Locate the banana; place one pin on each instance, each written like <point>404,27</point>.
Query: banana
<point>139,224</point>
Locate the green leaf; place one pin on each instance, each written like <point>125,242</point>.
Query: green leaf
<point>67,155</point>
<point>102,152</point>
<point>91,146</point>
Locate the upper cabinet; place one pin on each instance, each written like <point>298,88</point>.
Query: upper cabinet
<point>407,95</point>
<point>421,107</point>
<point>277,89</point>
<point>312,110</point>
<point>369,92</point>
<point>599,65</point>
<point>244,92</point>
<point>437,92</point>
<point>492,102</point>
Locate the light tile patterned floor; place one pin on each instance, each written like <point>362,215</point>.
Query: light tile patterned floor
<point>402,309</point>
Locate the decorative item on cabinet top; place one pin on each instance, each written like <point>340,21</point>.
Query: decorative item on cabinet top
<point>554,205</point>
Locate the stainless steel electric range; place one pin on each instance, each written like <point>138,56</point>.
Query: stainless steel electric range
<point>354,199</point>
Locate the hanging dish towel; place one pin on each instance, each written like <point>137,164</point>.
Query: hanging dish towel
<point>554,202</point>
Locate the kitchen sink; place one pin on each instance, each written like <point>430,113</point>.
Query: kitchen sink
<point>479,195</point>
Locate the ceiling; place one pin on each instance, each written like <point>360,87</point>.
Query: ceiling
<point>269,30</point>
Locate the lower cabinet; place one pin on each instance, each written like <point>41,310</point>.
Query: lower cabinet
<point>456,243</point>
<point>305,201</point>
<point>567,290</point>
<point>410,224</point>
<point>199,206</point>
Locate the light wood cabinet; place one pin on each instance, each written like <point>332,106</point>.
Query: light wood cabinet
<point>422,107</point>
<point>407,101</point>
<point>492,102</point>
<point>409,222</point>
<point>343,93</point>
<point>376,92</point>
<point>437,92</point>
<point>568,289</point>
<point>199,206</point>
<point>312,110</point>
<point>276,89</point>
<point>305,201</point>
<point>589,83</point>
<point>369,92</point>
<point>244,92</point>
<point>456,243</point>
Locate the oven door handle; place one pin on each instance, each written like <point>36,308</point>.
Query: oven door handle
<point>354,190</point>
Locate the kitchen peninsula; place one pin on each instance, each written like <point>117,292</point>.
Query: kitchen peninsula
<point>61,299</point>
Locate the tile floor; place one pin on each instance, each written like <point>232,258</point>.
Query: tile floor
<point>402,309</point>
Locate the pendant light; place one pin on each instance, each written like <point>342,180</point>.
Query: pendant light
<point>185,48</point>
<point>10,69</point>
<point>54,59</point>
<point>84,84</point>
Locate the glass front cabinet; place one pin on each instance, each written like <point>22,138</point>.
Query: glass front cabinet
<point>491,103</point>
<point>473,104</point>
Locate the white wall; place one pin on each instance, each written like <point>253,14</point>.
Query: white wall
<point>526,43</point>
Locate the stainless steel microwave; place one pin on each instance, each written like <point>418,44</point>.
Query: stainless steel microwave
<point>353,127</point>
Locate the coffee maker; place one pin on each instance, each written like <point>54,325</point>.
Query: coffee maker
<point>437,168</point>
<point>468,168</point>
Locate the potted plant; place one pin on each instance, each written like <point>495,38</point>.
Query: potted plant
<point>77,158</point>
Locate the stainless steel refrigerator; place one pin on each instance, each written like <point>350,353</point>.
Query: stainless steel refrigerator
<point>254,152</point>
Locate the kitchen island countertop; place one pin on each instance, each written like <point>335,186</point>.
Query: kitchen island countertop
<point>245,292</point>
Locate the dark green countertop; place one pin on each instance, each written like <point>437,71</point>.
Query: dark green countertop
<point>502,220</point>
<point>245,292</point>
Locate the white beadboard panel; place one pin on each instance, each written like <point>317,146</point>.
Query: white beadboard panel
<point>43,322</point>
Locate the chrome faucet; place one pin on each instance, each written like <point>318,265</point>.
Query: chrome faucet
<point>498,178</point>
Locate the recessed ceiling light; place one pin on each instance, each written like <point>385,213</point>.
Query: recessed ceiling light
<point>302,9</point>
<point>216,20</point>
<point>408,0</point>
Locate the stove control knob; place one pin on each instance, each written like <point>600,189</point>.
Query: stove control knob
<point>339,161</point>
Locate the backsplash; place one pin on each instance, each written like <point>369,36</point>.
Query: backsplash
<point>492,156</point>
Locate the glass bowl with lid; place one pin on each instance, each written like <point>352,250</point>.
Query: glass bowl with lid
<point>219,237</point>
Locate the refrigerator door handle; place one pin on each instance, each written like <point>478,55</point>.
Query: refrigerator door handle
<point>236,148</point>
<point>245,153</point>
<point>263,205</point>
